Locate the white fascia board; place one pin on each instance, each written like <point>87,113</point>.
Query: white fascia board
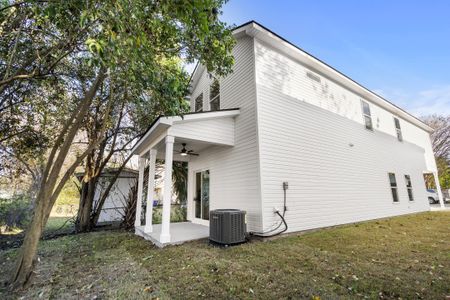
<point>256,31</point>
<point>136,147</point>
<point>166,122</point>
<point>200,116</point>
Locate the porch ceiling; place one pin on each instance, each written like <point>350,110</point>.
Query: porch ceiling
<point>195,145</point>
<point>197,130</point>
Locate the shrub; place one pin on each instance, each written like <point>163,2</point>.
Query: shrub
<point>177,214</point>
<point>15,212</point>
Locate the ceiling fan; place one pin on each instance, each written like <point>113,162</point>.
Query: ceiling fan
<point>185,152</point>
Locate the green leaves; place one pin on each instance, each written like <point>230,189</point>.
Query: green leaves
<point>94,46</point>
<point>54,50</point>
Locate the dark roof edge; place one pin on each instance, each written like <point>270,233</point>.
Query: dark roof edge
<point>337,71</point>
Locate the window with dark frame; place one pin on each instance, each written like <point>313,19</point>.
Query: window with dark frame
<point>367,115</point>
<point>409,187</point>
<point>214,95</point>
<point>393,183</point>
<point>398,129</point>
<point>198,103</point>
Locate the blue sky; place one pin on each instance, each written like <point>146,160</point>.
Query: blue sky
<point>399,49</point>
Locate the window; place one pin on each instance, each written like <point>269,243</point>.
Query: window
<point>214,95</point>
<point>398,129</point>
<point>366,114</point>
<point>393,183</point>
<point>409,187</point>
<point>199,103</point>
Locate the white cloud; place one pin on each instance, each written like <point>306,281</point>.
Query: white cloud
<point>420,103</point>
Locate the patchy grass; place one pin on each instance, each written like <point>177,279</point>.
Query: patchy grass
<point>407,257</point>
<point>54,226</point>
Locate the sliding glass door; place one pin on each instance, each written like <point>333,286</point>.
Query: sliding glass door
<point>201,196</point>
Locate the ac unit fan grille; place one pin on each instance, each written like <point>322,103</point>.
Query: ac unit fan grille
<point>227,226</point>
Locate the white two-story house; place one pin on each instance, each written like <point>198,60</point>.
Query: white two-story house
<point>283,116</point>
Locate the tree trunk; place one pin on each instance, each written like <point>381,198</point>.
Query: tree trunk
<point>27,256</point>
<point>89,183</point>
<point>47,192</point>
<point>84,223</point>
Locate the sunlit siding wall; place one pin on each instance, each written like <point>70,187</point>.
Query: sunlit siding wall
<point>219,130</point>
<point>311,134</point>
<point>202,86</point>
<point>234,171</point>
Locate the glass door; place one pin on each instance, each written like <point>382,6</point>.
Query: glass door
<point>201,197</point>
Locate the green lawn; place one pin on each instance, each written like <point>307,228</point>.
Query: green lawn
<point>405,257</point>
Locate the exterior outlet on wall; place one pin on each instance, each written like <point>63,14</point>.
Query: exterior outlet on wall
<point>275,210</point>
<point>285,185</point>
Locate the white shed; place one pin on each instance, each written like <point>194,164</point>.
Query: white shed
<point>114,206</point>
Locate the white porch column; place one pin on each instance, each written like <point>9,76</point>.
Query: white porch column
<point>137,221</point>
<point>165,227</point>
<point>150,191</point>
<point>438,189</point>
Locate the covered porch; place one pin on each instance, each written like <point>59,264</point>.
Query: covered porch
<point>165,140</point>
<point>179,233</point>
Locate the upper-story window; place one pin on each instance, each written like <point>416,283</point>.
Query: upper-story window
<point>393,183</point>
<point>214,95</point>
<point>366,114</point>
<point>398,129</point>
<point>198,103</point>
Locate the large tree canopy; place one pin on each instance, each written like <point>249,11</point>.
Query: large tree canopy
<point>67,67</point>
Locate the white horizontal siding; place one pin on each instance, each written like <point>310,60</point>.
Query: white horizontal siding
<point>219,131</point>
<point>234,171</point>
<point>306,130</point>
<point>289,77</point>
<point>330,182</point>
<point>201,87</point>
<point>300,132</point>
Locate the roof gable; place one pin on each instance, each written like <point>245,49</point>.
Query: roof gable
<point>258,31</point>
